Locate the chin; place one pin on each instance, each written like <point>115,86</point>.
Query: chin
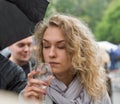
<point>25,61</point>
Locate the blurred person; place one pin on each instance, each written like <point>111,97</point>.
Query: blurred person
<point>17,19</point>
<point>105,64</point>
<point>68,45</point>
<point>115,59</point>
<point>21,52</point>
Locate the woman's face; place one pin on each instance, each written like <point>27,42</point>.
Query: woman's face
<point>54,51</point>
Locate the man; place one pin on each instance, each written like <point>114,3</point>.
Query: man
<point>21,53</point>
<point>17,19</point>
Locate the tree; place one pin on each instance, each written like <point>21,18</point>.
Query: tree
<point>91,11</point>
<point>109,28</point>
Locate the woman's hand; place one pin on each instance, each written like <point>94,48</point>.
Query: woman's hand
<point>33,90</point>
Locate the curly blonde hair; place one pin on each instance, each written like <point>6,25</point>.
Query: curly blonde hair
<point>82,48</point>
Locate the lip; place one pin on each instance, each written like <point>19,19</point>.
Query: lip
<point>53,63</point>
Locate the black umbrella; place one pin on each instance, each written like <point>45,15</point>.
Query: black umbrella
<point>18,18</point>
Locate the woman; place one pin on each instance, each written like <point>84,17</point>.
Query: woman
<point>69,47</point>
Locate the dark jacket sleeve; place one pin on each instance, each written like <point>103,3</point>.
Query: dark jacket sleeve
<point>12,77</point>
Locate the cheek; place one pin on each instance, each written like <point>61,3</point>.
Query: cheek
<point>19,52</point>
<point>64,55</point>
<point>65,59</point>
<point>16,51</point>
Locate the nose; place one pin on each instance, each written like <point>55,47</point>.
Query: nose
<point>52,52</point>
<point>26,48</point>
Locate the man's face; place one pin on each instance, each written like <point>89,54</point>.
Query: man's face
<point>21,50</point>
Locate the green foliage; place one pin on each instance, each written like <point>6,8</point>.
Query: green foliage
<point>89,10</point>
<point>109,28</point>
<point>105,24</point>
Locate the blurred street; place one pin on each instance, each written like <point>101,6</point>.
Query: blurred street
<point>116,87</point>
<point>116,97</point>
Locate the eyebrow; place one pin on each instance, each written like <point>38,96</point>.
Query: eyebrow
<point>60,41</point>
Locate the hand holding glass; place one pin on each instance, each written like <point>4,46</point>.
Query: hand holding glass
<point>45,72</point>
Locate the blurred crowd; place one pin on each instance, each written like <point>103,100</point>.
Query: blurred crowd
<point>111,62</point>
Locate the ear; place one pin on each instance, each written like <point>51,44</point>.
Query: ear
<point>10,47</point>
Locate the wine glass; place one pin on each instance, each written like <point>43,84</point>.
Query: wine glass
<point>45,72</point>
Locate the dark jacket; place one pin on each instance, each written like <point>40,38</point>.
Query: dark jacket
<point>12,77</point>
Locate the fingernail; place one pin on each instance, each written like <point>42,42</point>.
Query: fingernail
<point>37,70</point>
<point>45,84</point>
<point>44,93</point>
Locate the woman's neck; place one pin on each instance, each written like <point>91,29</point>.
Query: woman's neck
<point>66,78</point>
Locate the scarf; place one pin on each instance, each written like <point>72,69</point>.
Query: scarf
<point>75,93</point>
<point>59,93</point>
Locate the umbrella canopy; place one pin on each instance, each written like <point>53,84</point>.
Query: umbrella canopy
<point>107,45</point>
<point>18,18</point>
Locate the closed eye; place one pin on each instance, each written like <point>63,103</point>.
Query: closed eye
<point>46,46</point>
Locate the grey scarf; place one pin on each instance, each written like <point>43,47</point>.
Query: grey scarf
<point>73,94</point>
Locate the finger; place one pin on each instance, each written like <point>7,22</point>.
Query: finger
<point>36,94</point>
<point>48,79</point>
<point>33,91</point>
<point>33,100</point>
<point>34,82</point>
<point>31,74</point>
